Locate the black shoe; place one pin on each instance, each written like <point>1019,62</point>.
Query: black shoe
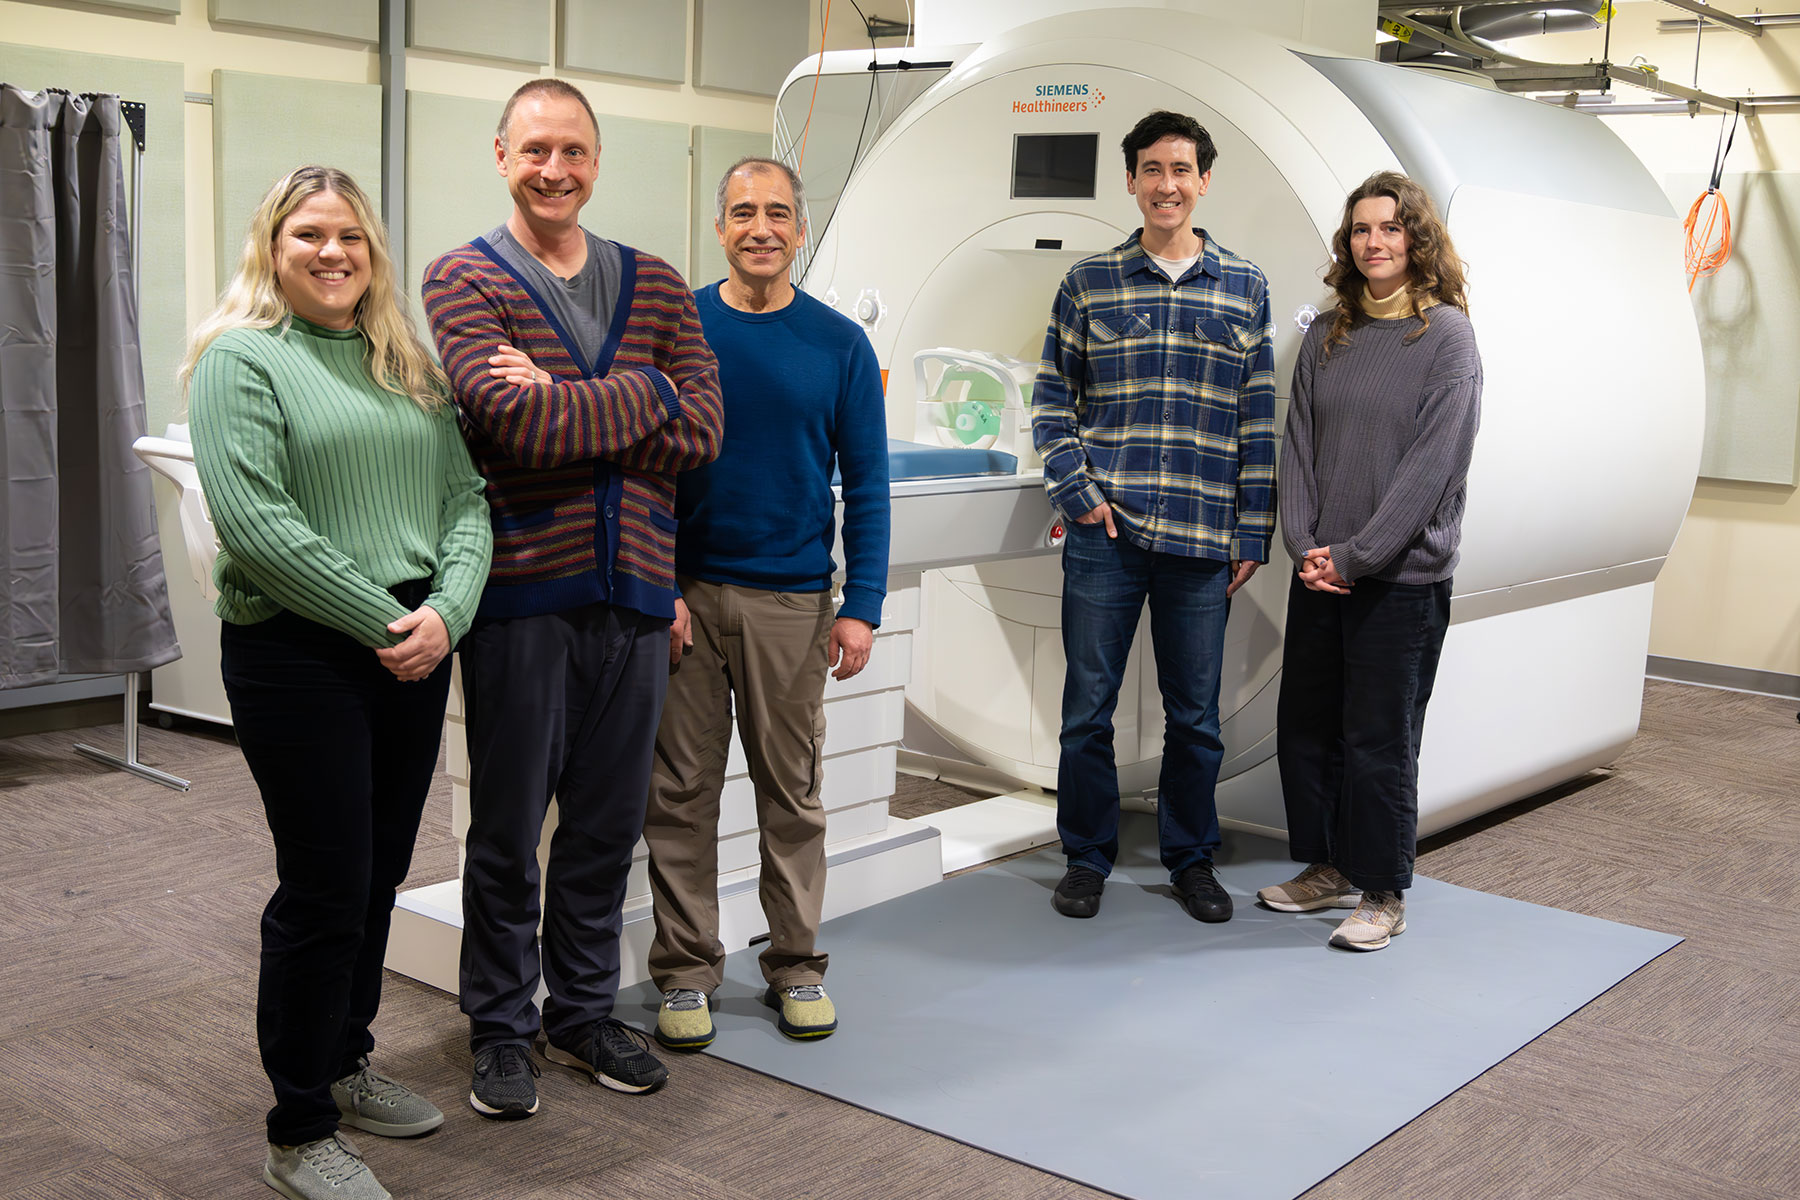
<point>615,1054</point>
<point>503,1086</point>
<point>1199,892</point>
<point>1078,895</point>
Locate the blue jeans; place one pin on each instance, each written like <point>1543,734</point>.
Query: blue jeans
<point>1105,584</point>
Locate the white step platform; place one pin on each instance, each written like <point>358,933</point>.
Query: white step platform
<point>870,855</point>
<point>989,829</point>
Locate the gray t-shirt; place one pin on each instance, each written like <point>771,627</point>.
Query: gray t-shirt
<point>1379,437</point>
<point>585,304</point>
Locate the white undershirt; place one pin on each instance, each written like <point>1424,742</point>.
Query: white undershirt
<point>1174,268</point>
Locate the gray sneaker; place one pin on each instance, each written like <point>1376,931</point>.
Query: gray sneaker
<point>329,1169</point>
<point>372,1102</point>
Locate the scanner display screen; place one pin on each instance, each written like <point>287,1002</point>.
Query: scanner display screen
<point>1054,164</point>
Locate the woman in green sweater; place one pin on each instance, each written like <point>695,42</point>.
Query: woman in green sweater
<point>354,547</point>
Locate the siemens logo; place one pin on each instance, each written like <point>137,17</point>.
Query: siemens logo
<point>1062,89</point>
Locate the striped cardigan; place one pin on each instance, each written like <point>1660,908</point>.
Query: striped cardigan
<point>580,472</point>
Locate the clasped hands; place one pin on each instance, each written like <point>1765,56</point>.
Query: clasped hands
<point>1319,573</point>
<point>427,640</point>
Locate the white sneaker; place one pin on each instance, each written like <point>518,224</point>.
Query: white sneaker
<point>1375,921</point>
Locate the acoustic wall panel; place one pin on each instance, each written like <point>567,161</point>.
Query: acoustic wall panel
<point>641,197</point>
<point>258,138</point>
<point>714,152</point>
<point>748,47</point>
<point>353,20</point>
<point>453,191</point>
<point>513,30</point>
<point>1749,316</point>
<point>162,278</point>
<point>146,7</point>
<point>639,39</point>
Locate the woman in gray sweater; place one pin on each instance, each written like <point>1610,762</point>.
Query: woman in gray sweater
<point>1380,431</point>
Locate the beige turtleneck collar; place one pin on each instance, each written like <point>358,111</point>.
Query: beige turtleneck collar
<point>1398,305</point>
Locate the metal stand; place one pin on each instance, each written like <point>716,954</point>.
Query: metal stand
<point>130,761</point>
<point>133,114</point>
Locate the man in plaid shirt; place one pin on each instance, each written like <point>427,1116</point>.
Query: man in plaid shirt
<point>1154,411</point>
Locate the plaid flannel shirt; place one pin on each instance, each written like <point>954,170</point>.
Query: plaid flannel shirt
<point>1158,398</point>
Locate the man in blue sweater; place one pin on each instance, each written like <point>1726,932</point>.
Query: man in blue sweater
<point>756,619</point>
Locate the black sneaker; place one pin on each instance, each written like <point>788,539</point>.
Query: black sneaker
<point>1199,892</point>
<point>615,1054</point>
<point>1078,895</point>
<point>503,1087</point>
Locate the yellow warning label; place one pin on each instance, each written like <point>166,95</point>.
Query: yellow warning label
<point>1397,29</point>
<point>1606,13</point>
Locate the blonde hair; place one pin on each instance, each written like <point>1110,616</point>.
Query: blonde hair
<point>1432,266</point>
<point>398,361</point>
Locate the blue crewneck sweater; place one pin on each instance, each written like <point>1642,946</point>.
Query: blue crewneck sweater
<point>802,390</point>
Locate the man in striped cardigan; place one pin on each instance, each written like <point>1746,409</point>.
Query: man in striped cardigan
<point>585,385</point>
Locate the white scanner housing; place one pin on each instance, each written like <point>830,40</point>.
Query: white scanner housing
<point>1591,418</point>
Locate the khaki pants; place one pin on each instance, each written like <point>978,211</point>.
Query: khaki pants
<point>769,650</point>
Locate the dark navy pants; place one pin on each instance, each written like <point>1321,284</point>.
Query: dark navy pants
<point>343,754</point>
<point>1105,584</point>
<point>1356,674</point>
<point>562,705</point>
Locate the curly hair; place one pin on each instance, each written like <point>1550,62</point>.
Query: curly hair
<point>1432,268</point>
<point>398,361</point>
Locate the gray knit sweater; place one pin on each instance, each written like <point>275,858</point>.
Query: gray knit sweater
<point>1375,460</point>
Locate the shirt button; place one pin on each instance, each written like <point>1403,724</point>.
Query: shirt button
<point>609,512</point>
<point>1168,414</point>
<point>1165,456</point>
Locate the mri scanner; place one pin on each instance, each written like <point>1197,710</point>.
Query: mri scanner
<point>998,167</point>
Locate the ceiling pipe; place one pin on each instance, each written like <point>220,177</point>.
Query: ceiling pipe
<point>1530,20</point>
<point>1457,41</point>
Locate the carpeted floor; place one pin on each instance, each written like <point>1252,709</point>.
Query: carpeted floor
<point>127,972</point>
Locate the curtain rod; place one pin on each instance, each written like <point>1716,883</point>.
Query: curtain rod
<point>131,110</point>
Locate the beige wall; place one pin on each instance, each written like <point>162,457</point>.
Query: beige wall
<point>1727,594</point>
<point>191,40</point>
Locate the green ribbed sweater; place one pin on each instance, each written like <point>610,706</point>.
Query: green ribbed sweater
<point>326,490</point>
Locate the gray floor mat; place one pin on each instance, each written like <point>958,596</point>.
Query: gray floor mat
<point>1146,1054</point>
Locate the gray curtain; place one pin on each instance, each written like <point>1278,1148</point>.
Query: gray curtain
<point>81,576</point>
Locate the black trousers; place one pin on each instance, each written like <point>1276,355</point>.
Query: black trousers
<point>1356,674</point>
<point>564,705</point>
<point>343,754</point>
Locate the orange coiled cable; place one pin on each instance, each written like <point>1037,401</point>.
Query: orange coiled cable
<point>1708,244</point>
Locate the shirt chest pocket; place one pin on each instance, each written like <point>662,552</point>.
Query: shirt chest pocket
<point>1223,350</point>
<point>1122,346</point>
